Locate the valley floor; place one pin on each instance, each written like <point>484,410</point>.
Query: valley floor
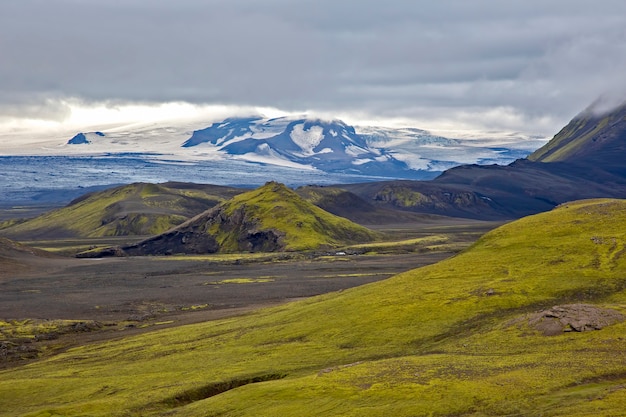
<point>116,297</point>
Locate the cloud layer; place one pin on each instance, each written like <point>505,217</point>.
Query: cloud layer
<point>527,65</point>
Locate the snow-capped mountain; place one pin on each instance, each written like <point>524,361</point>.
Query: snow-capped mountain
<point>330,146</point>
<point>422,150</point>
<point>304,143</point>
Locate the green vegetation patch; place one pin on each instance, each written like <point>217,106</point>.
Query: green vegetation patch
<point>402,196</point>
<point>428,243</point>
<point>241,281</point>
<point>195,307</point>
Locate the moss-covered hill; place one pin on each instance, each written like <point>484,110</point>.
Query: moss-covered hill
<point>341,202</point>
<point>465,337</point>
<point>270,218</point>
<point>135,209</point>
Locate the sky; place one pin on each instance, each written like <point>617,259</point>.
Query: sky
<point>527,66</point>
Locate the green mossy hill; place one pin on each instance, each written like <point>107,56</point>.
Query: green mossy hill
<point>587,135</point>
<point>460,337</point>
<point>135,209</point>
<point>275,209</point>
<point>270,218</point>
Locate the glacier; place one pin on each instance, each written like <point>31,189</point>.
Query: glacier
<point>239,151</point>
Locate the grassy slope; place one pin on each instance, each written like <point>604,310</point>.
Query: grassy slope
<point>433,341</point>
<point>136,209</point>
<point>303,225</point>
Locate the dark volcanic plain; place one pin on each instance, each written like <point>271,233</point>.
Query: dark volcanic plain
<point>143,287</point>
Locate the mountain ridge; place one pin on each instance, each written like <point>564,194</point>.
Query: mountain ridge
<point>331,146</point>
<point>584,160</point>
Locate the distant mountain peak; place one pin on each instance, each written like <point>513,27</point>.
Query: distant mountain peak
<point>85,138</point>
<point>327,145</point>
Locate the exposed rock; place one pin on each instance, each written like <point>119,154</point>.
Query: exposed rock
<point>573,318</point>
<point>177,241</point>
<point>261,241</point>
<point>79,139</point>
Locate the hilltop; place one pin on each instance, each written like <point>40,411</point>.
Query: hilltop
<point>529,320</point>
<point>270,218</point>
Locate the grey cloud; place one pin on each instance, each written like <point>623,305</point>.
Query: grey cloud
<point>384,58</point>
<point>39,106</point>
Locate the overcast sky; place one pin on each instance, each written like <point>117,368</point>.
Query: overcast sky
<point>527,65</point>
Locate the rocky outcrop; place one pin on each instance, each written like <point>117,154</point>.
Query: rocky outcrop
<point>573,318</point>
<point>178,241</point>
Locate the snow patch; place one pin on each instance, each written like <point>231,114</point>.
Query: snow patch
<point>361,161</point>
<point>266,155</point>
<point>354,150</point>
<point>413,161</point>
<point>234,140</point>
<point>307,139</point>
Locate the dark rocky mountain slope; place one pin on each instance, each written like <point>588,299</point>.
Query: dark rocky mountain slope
<point>593,139</point>
<point>586,159</point>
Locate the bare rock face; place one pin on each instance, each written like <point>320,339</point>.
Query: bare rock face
<point>261,241</point>
<point>573,318</point>
<point>177,241</point>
